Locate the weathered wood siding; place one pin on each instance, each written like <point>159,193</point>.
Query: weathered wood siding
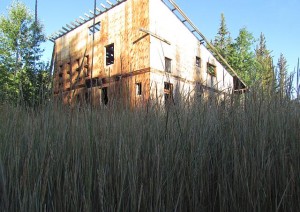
<point>119,26</point>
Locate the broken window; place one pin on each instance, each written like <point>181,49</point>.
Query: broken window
<point>198,62</point>
<point>104,96</point>
<point>168,91</point>
<point>110,54</point>
<point>94,28</point>
<point>168,63</point>
<point>138,88</point>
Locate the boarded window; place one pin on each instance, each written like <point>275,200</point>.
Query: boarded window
<point>94,28</point>
<point>104,96</point>
<point>168,65</point>
<point>110,54</point>
<point>198,62</point>
<point>138,89</point>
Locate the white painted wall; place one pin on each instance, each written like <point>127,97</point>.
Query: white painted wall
<point>183,51</point>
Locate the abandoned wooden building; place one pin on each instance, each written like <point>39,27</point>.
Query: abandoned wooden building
<point>137,49</point>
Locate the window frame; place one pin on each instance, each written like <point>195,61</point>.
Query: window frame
<point>138,89</point>
<point>168,92</point>
<point>94,28</point>
<point>198,62</point>
<point>168,65</point>
<point>211,72</point>
<point>110,61</point>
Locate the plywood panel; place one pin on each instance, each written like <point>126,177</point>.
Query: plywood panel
<point>119,26</point>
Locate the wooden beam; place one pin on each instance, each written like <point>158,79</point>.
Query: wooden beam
<point>56,34</point>
<point>108,2</point>
<point>78,21</point>
<point>75,25</point>
<point>82,18</point>
<point>69,26</point>
<point>206,41</point>
<point>155,35</point>
<point>102,5</point>
<point>98,10</point>
<point>64,28</point>
<point>87,15</point>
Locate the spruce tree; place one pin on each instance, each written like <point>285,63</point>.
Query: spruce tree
<point>264,63</point>
<point>222,40</point>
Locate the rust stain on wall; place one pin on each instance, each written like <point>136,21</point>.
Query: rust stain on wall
<point>81,74</point>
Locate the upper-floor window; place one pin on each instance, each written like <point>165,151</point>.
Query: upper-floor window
<point>212,72</point>
<point>94,28</point>
<point>211,69</point>
<point>110,54</point>
<point>168,64</point>
<point>198,61</point>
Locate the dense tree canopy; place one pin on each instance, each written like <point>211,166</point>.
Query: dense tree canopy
<point>22,74</point>
<point>253,65</point>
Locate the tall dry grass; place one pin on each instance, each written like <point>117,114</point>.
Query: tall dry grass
<point>243,155</point>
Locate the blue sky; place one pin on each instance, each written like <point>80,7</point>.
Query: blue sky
<point>279,20</point>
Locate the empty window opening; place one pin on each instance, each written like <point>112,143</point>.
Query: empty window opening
<point>168,63</point>
<point>138,88</point>
<point>110,56</point>
<point>104,96</point>
<point>94,28</point>
<point>91,83</point>
<point>198,62</point>
<point>168,86</point>
<point>211,69</point>
<point>168,91</point>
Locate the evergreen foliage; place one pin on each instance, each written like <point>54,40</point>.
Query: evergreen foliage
<point>253,65</point>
